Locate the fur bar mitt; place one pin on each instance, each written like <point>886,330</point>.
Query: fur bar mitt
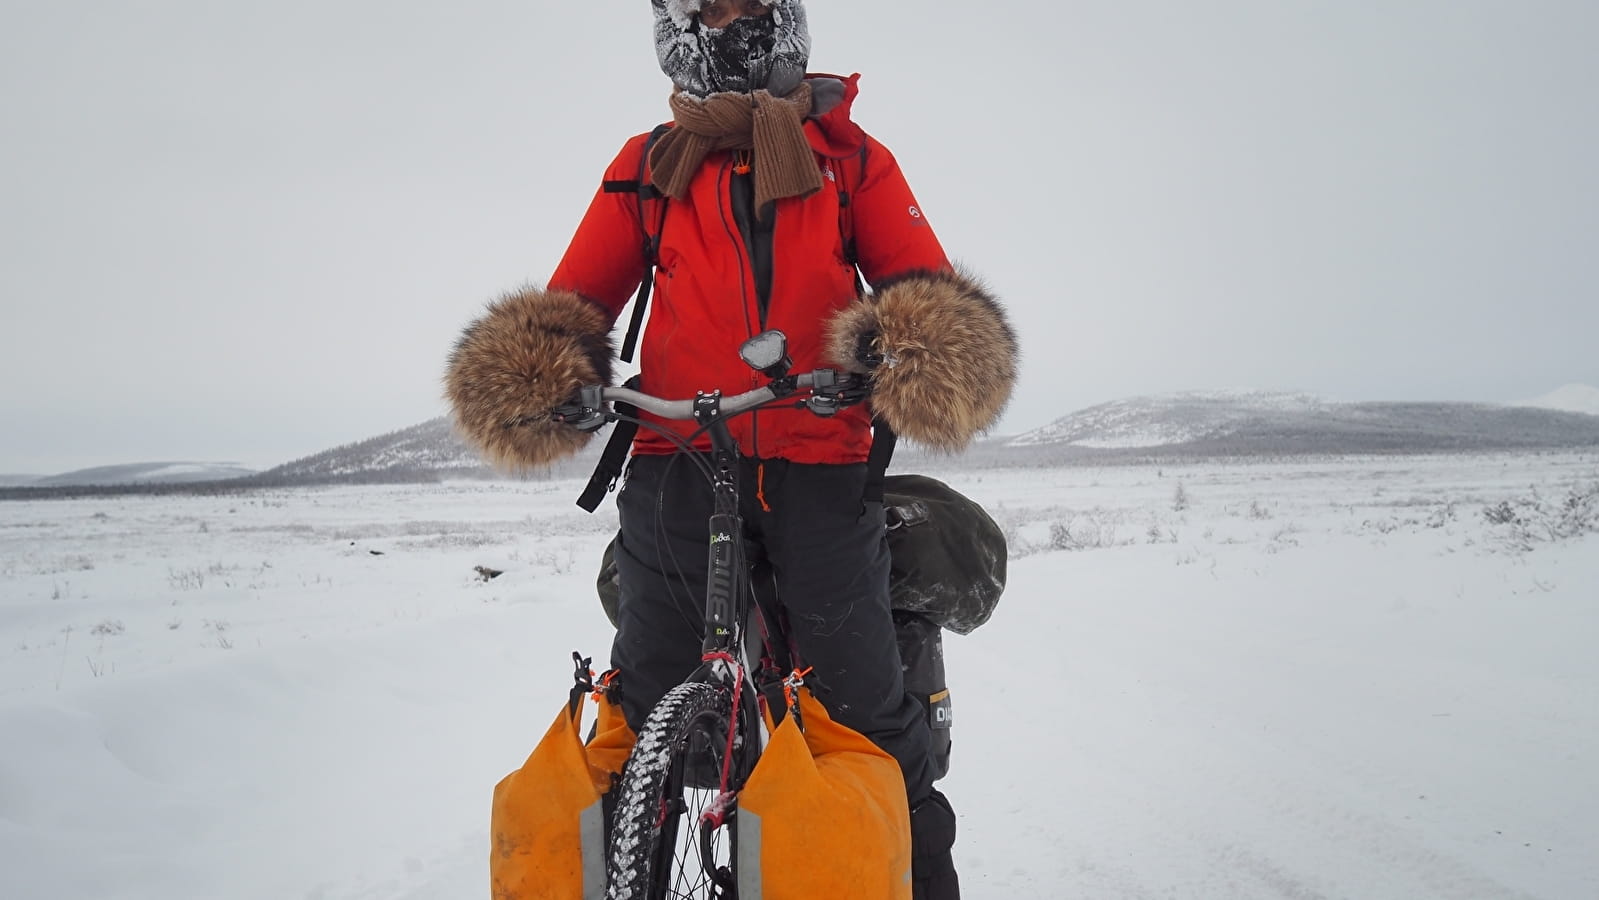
<point>529,353</point>
<point>940,352</point>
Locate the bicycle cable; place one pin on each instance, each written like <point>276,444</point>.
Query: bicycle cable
<point>697,458</point>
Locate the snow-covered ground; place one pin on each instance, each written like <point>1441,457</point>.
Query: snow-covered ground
<point>1314,680</point>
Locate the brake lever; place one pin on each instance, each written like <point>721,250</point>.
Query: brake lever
<point>586,413</point>
<point>830,393</point>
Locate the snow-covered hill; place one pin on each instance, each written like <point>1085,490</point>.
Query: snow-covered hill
<point>1192,424</point>
<point>422,452</point>
<point>429,447</point>
<point>1252,423</point>
<point>146,473</point>
<point>1161,421</point>
<point>1577,398</point>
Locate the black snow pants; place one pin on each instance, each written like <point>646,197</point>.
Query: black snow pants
<point>828,554</point>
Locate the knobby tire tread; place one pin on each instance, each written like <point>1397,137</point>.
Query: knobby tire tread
<point>635,830</point>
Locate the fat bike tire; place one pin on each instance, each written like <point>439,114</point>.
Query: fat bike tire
<point>657,848</point>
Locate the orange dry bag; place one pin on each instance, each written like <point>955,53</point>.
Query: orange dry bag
<point>823,815</point>
<point>548,819</point>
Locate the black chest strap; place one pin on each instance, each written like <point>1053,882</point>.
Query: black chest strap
<point>645,192</point>
<point>883,441</point>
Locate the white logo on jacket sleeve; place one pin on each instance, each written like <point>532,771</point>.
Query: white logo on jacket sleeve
<point>916,217</point>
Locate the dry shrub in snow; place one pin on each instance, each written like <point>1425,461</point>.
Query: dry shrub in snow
<point>1522,522</point>
<point>186,579</point>
<point>1093,530</point>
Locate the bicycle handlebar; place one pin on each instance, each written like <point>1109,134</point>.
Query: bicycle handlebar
<point>830,391</point>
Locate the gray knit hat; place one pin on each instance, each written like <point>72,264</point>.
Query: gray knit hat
<point>752,53</point>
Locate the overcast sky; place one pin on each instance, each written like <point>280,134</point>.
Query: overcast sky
<point>251,231</point>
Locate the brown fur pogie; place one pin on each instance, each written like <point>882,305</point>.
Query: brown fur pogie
<point>528,353</point>
<point>949,356</point>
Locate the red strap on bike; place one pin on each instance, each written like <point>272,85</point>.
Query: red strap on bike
<point>792,682</point>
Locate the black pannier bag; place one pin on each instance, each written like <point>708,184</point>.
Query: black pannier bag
<point>947,570</point>
<point>948,555</point>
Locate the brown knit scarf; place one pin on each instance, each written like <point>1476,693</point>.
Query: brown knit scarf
<point>773,127</point>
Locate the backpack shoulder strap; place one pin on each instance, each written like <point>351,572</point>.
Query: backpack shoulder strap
<point>613,459</point>
<point>884,439</point>
<point>877,459</point>
<point>650,227</point>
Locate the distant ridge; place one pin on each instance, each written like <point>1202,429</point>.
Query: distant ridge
<point>145,473</point>
<point>1189,425</point>
<point>430,447</point>
<point>1577,398</point>
<point>1227,424</point>
<point>1167,420</point>
<point>426,452</point>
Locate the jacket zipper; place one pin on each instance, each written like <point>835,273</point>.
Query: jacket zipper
<point>745,263</point>
<point>746,275</point>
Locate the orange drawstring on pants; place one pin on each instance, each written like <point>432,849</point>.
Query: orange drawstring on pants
<point>760,486</point>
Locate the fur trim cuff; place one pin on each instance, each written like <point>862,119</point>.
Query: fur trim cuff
<point>948,356</point>
<point>527,354</point>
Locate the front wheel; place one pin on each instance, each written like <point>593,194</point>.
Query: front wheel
<point>659,847</point>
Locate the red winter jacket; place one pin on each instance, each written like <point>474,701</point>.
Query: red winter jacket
<point>704,304</point>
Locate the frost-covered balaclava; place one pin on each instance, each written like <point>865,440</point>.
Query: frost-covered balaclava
<point>752,53</point>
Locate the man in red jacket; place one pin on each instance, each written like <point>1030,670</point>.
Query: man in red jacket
<point>773,198</point>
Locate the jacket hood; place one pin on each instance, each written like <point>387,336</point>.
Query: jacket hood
<point>834,134</point>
